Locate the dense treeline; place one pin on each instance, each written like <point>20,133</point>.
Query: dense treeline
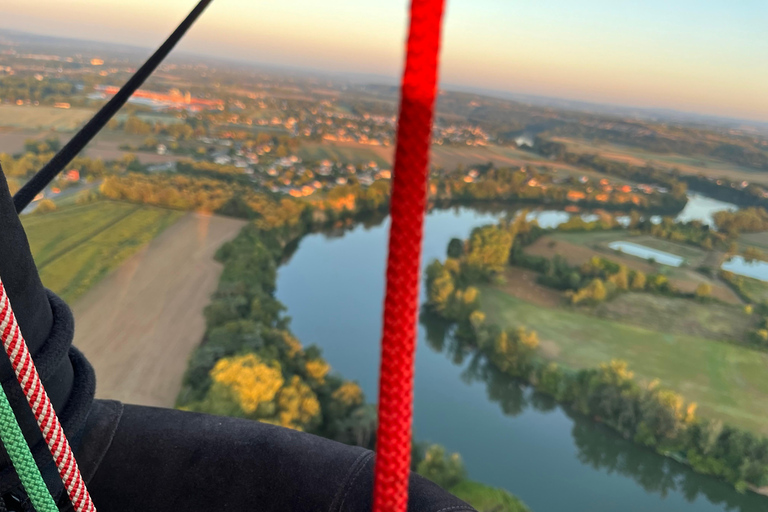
<point>648,414</point>
<point>268,210</point>
<point>682,141</point>
<point>748,220</point>
<point>29,88</point>
<point>250,365</point>
<point>559,151</point>
<point>742,194</point>
<point>491,184</point>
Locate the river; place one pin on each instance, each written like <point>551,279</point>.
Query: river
<point>333,288</point>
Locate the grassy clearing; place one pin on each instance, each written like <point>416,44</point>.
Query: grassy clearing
<point>43,118</point>
<point>759,240</point>
<point>75,247</point>
<point>713,320</point>
<point>727,381</point>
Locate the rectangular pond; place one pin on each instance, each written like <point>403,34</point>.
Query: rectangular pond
<point>647,253</point>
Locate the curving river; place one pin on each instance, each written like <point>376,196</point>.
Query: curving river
<point>333,287</point>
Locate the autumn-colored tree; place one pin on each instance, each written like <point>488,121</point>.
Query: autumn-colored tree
<point>318,369</point>
<point>440,286</point>
<point>45,206</point>
<point>253,381</point>
<point>443,469</point>
<point>488,249</point>
<point>638,281</point>
<point>298,405</point>
<point>703,290</point>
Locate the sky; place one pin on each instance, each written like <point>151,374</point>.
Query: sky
<point>705,56</point>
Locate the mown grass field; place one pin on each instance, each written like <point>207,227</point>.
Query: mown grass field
<point>728,382</point>
<point>77,246</point>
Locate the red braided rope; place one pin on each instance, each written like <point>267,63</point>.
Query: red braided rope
<point>409,197</point>
<point>26,373</point>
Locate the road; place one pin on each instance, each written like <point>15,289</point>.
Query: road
<point>139,325</point>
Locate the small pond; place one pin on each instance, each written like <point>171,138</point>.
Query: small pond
<point>647,253</point>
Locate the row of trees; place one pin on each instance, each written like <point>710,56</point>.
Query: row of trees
<point>268,211</point>
<point>748,220</point>
<point>511,185</point>
<point>250,365</point>
<point>648,414</point>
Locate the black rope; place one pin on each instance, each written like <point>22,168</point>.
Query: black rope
<point>43,177</point>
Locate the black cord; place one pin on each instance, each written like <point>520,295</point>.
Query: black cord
<point>45,175</point>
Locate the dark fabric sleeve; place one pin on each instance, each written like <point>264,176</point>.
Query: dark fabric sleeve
<point>165,460</point>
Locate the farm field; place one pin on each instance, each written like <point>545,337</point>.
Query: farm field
<point>686,164</point>
<point>77,246</point>
<point>759,240</point>
<point>447,157</point>
<point>43,118</point>
<point>728,382</point>
<point>139,325</point>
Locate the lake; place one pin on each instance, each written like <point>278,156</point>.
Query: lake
<point>701,207</point>
<point>333,287</point>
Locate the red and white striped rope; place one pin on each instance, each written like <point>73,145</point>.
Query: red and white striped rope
<point>38,400</point>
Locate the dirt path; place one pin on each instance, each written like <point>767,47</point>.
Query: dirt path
<point>139,325</point>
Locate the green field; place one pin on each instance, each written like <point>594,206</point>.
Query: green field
<point>44,118</point>
<point>356,155</point>
<point>727,381</point>
<point>712,320</point>
<point>77,246</point>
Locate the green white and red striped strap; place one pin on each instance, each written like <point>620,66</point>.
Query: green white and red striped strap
<point>38,400</point>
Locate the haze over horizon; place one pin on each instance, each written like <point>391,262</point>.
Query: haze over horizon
<point>703,56</point>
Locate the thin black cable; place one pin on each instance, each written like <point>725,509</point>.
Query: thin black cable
<point>45,175</point>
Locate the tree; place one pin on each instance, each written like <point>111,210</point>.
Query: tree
<point>135,126</point>
<point>440,286</point>
<point>638,281</point>
<point>621,278</point>
<point>45,206</point>
<point>455,248</point>
<point>488,248</point>
<point>703,290</point>
<point>444,470</point>
<point>753,253</point>
<point>251,380</point>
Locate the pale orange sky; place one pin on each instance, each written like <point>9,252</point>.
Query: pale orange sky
<point>707,56</point>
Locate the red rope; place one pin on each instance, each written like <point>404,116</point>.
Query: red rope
<point>409,197</point>
<point>26,373</point>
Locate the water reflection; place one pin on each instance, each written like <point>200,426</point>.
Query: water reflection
<point>597,446</point>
